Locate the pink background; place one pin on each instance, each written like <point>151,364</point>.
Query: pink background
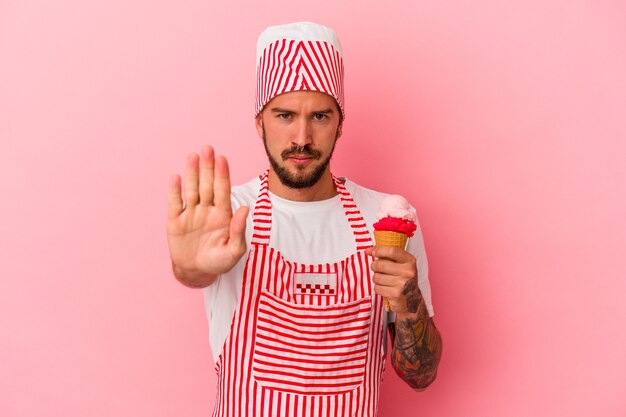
<point>503,122</point>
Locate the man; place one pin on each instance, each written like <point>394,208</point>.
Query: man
<point>293,285</point>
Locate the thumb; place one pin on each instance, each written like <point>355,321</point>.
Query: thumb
<point>237,232</point>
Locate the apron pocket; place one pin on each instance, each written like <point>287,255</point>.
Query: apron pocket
<point>311,350</point>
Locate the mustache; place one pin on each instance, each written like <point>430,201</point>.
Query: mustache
<point>301,151</point>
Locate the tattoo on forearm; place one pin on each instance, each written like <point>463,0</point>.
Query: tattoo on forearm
<point>417,348</point>
<point>413,297</point>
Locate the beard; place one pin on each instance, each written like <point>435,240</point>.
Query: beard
<point>300,179</point>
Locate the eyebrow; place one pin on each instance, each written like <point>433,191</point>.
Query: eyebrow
<point>279,110</point>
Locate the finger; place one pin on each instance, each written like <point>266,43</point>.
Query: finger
<point>387,280</point>
<point>390,293</point>
<point>191,180</point>
<point>207,168</point>
<point>175,202</point>
<point>389,267</point>
<point>222,184</point>
<point>237,230</point>
<point>392,253</point>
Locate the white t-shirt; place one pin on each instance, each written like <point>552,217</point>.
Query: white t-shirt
<point>306,232</point>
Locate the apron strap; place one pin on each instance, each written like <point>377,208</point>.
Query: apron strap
<point>262,215</point>
<point>362,236</point>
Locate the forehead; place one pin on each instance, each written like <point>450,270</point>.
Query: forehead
<point>305,100</point>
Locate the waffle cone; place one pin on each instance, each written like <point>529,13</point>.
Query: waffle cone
<point>387,238</point>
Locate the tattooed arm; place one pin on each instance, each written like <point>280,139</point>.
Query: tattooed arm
<point>416,341</point>
<point>416,345</point>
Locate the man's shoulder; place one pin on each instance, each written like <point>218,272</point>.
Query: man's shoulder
<point>246,193</point>
<point>363,194</point>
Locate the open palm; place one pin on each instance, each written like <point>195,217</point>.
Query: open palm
<point>204,237</point>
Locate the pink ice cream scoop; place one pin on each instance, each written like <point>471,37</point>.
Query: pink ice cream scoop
<point>395,205</point>
<point>395,215</point>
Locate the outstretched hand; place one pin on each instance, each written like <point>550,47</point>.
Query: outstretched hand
<point>203,235</point>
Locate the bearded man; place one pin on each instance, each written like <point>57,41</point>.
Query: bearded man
<point>294,287</point>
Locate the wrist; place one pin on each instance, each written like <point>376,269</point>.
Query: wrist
<point>193,278</point>
<point>401,316</point>
<point>420,312</point>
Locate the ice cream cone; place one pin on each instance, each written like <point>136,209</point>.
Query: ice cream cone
<point>396,223</point>
<point>387,238</point>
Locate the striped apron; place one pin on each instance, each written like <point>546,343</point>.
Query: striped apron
<point>305,340</point>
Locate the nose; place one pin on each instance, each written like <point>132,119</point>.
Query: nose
<point>302,134</point>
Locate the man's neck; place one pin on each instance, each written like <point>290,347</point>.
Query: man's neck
<point>322,190</point>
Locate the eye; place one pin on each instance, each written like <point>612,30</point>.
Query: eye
<point>284,116</point>
<point>319,116</point>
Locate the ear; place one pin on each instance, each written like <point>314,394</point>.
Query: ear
<point>340,126</point>
<point>258,122</point>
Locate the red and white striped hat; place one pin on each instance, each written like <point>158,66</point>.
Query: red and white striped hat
<point>298,56</point>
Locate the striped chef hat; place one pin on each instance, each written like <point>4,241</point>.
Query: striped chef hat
<point>298,56</point>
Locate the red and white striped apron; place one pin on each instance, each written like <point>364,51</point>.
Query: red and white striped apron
<point>305,340</point>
